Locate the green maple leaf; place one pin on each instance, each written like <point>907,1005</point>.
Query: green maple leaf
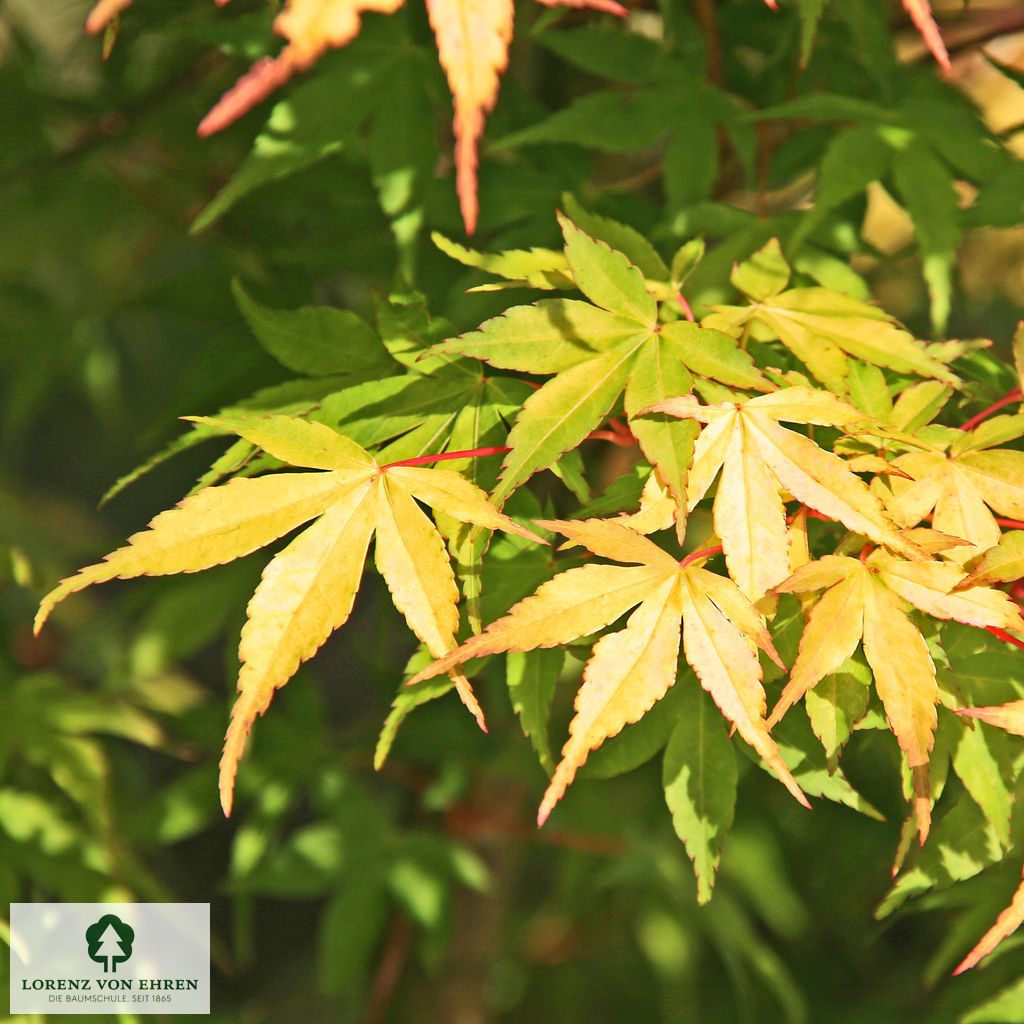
<point>597,351</point>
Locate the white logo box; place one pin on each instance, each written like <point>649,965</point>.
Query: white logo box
<point>110,958</point>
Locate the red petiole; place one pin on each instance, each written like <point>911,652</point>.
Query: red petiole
<point>1013,396</point>
<point>471,453</point>
<point>1003,635</point>
<point>693,556</point>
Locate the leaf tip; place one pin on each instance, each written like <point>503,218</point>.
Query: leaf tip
<point>103,13</point>
<point>922,801</point>
<point>465,692</point>
<point>266,75</point>
<point>228,771</point>
<point>920,12</point>
<point>776,658</point>
<point>41,616</point>
<point>46,606</point>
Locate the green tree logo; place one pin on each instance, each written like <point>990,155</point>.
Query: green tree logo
<point>110,942</point>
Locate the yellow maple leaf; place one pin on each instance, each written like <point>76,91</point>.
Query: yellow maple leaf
<point>824,328</point>
<point>472,44</point>
<point>758,458</point>
<point>633,668</point>
<point>962,485</point>
<point>1003,563</point>
<point>867,602</point>
<point>308,589</point>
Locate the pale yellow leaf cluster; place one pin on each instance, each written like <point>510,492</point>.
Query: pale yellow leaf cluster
<point>1003,563</point>
<point>962,488</point>
<point>657,509</point>
<point>825,329</point>
<point>313,26</point>
<point>633,668</point>
<point>867,602</point>
<point>308,589</point>
<point>758,458</point>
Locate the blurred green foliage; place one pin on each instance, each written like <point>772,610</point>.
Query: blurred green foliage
<point>423,892</point>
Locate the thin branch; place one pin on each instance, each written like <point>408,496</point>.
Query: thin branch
<point>390,966</point>
<point>704,11</point>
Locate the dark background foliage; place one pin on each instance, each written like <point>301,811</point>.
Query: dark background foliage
<point>424,892</point>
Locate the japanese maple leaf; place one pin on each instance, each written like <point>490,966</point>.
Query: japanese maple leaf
<point>308,589</point>
<point>758,457</point>
<point>963,479</point>
<point>472,44</point>
<point>597,350</point>
<point>631,669</point>
<point>868,603</point>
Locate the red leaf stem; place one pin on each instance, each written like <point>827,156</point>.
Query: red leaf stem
<point>1013,396</point>
<point>1003,635</point>
<point>811,514</point>
<point>687,310</point>
<point>613,437</point>
<point>471,453</point>
<point>703,553</point>
<point>618,433</point>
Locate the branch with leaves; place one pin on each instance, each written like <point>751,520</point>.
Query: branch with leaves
<point>800,425</point>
